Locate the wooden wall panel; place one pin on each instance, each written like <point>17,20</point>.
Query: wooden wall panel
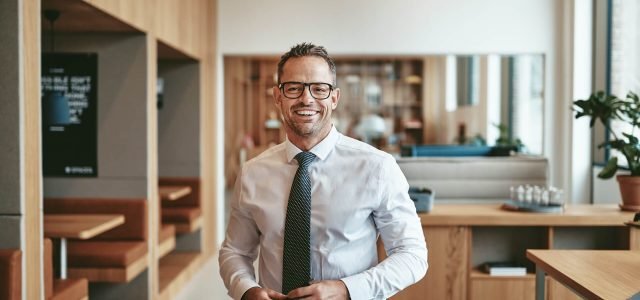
<point>170,27</point>
<point>135,13</point>
<point>152,166</point>
<point>32,164</point>
<point>209,147</point>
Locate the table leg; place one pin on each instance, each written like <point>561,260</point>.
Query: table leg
<point>63,258</point>
<point>540,284</point>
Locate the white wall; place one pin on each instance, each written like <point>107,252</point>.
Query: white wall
<point>415,27</point>
<point>387,27</point>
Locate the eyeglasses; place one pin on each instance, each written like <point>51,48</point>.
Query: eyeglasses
<point>294,89</point>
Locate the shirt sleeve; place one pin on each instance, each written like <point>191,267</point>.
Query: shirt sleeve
<point>240,247</point>
<point>401,232</point>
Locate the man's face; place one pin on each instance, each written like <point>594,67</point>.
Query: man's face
<point>306,117</point>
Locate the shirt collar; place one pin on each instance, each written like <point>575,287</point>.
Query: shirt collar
<point>321,150</point>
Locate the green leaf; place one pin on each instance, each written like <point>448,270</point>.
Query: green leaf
<point>610,169</point>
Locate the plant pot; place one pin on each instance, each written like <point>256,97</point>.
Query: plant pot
<point>630,192</point>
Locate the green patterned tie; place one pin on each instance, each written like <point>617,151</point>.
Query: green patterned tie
<point>296,261</point>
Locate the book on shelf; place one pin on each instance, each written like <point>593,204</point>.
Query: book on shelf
<point>503,268</point>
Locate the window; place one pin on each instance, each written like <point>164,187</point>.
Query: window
<point>624,58</point>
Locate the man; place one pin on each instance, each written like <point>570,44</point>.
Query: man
<point>315,204</point>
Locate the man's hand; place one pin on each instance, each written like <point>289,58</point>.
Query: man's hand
<point>258,293</point>
<point>321,290</point>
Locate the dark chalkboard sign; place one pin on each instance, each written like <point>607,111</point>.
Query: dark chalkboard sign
<point>69,114</point>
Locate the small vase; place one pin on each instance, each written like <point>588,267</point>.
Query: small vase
<point>630,192</point>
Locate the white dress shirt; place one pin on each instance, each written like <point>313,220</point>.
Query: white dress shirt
<point>357,193</point>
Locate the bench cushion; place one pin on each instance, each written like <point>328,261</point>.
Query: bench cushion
<point>134,211</point>
<point>70,289</point>
<point>47,259</point>
<point>10,274</point>
<point>91,254</point>
<point>180,214</point>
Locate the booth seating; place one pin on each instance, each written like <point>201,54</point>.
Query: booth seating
<point>10,274</point>
<point>185,213</point>
<point>117,255</point>
<point>61,289</point>
<point>474,179</point>
<point>166,239</point>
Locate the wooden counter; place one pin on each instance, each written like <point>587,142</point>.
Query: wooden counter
<point>493,215</point>
<point>460,237</point>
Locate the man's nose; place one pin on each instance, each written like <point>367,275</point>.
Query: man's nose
<point>306,97</point>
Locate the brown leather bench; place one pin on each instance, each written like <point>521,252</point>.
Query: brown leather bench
<point>61,289</point>
<point>117,255</point>
<point>185,213</point>
<point>10,274</point>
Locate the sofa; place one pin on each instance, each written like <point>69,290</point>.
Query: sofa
<point>474,179</point>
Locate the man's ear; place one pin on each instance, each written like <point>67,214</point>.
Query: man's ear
<point>335,98</point>
<point>276,96</point>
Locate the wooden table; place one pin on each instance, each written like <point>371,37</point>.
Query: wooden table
<point>77,226</point>
<point>173,192</point>
<point>593,274</point>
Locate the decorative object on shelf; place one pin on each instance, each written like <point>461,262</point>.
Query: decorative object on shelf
<point>272,122</point>
<point>534,199</point>
<point>502,268</point>
<point>371,127</point>
<point>423,198</point>
<point>506,144</point>
<point>607,108</point>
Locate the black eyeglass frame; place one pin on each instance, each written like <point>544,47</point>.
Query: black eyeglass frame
<point>308,86</point>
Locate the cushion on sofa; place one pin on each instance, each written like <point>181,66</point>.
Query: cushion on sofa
<point>180,214</point>
<point>10,274</point>
<point>92,254</point>
<point>134,211</point>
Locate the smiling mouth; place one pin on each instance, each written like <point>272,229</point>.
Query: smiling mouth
<point>306,113</point>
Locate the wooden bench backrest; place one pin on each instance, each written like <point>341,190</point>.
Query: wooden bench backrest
<point>191,200</point>
<point>134,210</point>
<point>10,274</point>
<point>47,259</point>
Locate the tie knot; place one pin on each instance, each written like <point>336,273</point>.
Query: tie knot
<point>305,158</point>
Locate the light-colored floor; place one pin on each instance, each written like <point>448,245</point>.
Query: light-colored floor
<point>206,284</point>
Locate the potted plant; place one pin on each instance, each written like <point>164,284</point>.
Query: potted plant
<point>504,145</point>
<point>607,108</point>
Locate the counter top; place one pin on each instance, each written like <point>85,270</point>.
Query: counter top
<point>493,215</point>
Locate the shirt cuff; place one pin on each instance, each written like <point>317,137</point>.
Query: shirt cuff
<point>242,287</point>
<point>357,287</point>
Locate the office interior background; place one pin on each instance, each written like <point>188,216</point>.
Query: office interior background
<point>400,68</point>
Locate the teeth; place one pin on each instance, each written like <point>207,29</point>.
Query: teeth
<point>306,112</point>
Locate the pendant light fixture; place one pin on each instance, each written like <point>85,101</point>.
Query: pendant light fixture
<point>55,106</point>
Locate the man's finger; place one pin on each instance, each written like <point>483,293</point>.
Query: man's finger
<point>301,292</point>
<point>275,295</point>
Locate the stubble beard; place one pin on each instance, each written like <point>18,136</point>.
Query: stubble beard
<point>303,129</point>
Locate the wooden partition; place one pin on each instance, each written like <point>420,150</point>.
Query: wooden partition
<point>99,25</point>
